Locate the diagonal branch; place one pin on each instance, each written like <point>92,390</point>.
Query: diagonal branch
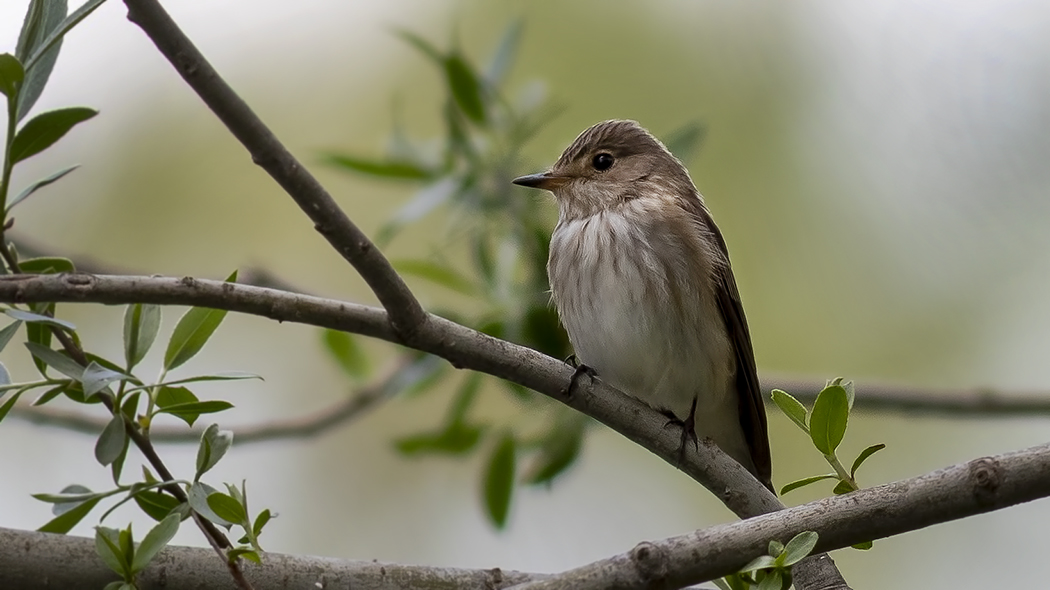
<point>266,150</point>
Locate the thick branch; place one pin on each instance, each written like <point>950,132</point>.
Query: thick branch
<point>962,490</point>
<point>267,151</point>
<point>959,491</point>
<point>28,562</point>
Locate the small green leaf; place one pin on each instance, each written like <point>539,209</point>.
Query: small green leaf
<point>8,332</point>
<point>722,584</point>
<point>171,396</point>
<point>155,540</point>
<point>843,487</point>
<point>155,504</point>
<point>461,404</point>
<point>45,129</point>
<point>249,554</point>
<point>227,508</point>
<point>198,498</point>
<point>775,548</point>
<point>558,450</point>
<point>346,350</point>
<point>504,54</point>
<point>220,376</point>
<point>864,546</point>
<point>466,88</point>
<point>51,394</point>
<point>42,19</point>
<point>773,581</point>
<point>141,323</point>
<point>56,33</point>
<point>70,497</point>
<point>190,335</point>
<point>11,75</point>
<point>456,439</point>
<point>827,423</point>
<point>439,274</point>
<point>260,521</point>
<point>499,481</point>
<point>422,45</point>
<point>5,376</point>
<point>214,444</point>
<point>759,563</point>
<point>189,412</point>
<point>863,457</point>
<point>32,188</point>
<point>805,481</point>
<point>799,547</point>
<point>397,169</point>
<point>111,442</point>
<point>56,360</point>
<point>36,318</point>
<point>108,547</point>
<point>95,378</point>
<point>791,407</point>
<point>40,334</point>
<point>45,265</point>
<point>67,520</point>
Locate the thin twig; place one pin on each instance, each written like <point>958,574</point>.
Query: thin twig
<point>406,314</point>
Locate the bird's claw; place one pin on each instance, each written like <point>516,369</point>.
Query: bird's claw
<point>688,427</point>
<point>580,369</point>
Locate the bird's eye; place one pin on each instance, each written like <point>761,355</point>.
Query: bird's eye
<point>602,161</point>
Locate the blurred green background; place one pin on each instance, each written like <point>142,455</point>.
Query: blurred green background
<point>878,170</point>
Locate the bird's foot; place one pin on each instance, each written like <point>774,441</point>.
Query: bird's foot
<point>688,427</point>
<point>580,369</point>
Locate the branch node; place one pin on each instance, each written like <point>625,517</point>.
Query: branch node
<point>986,475</point>
<point>80,279</point>
<point>650,560</point>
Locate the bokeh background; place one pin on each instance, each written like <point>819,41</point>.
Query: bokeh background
<point>878,170</point>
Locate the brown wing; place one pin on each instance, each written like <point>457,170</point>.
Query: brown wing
<point>749,395</point>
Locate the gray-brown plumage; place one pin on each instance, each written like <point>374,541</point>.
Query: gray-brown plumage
<point>641,278</point>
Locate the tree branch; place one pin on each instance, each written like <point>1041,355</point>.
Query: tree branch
<point>962,490</point>
<point>406,315</point>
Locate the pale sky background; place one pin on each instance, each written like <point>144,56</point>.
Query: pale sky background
<point>878,169</point>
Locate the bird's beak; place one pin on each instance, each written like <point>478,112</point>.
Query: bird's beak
<point>543,180</point>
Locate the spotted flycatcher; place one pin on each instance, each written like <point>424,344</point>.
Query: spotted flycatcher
<point>641,278</point>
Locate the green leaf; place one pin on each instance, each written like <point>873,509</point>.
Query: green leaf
<point>63,523</point>
<point>759,563</point>
<point>214,444</point>
<point>863,457</point>
<point>397,169</point>
<point>189,412</point>
<point>171,396</point>
<point>456,439</point>
<point>499,481</point>
<point>70,497</point>
<point>465,397</point>
<point>260,521</point>
<point>51,394</point>
<point>843,487</point>
<point>36,318</point>
<point>805,481</point>
<point>198,499</point>
<point>155,504</point>
<point>685,141</point>
<point>46,265</point>
<point>249,554</point>
<point>11,75</point>
<point>560,449</point>
<point>108,547</point>
<point>8,332</point>
<point>773,581</point>
<point>155,540</point>
<point>141,323</point>
<point>43,18</point>
<point>542,330</point>
<point>791,407</point>
<point>42,131</point>
<point>190,335</point>
<point>227,508</point>
<point>466,88</point>
<point>346,350</point>
<point>799,547</point>
<point>32,188</point>
<point>95,378</point>
<point>827,422</point>
<point>41,335</point>
<point>864,546</point>
<point>505,53</point>
<point>775,548</point>
<point>422,45</point>
<point>59,31</point>
<point>5,376</point>
<point>56,360</point>
<point>722,584</point>
<point>438,274</point>
<point>111,442</point>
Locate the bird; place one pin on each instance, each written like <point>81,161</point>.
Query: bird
<point>640,276</point>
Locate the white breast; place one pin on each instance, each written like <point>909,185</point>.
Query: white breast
<point>638,307</point>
